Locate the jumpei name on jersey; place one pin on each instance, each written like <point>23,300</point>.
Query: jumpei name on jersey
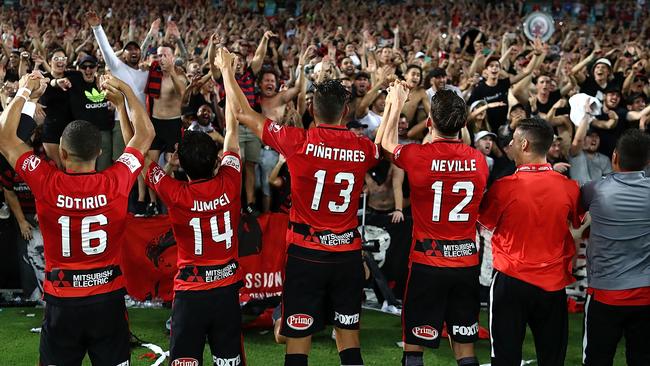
<point>453,165</point>
<point>335,153</point>
<point>201,206</point>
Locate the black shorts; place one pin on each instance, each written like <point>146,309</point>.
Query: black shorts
<point>437,295</point>
<point>314,283</point>
<point>101,329</point>
<point>168,134</point>
<point>214,314</point>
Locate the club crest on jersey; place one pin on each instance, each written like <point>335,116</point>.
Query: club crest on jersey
<point>231,161</point>
<point>300,321</point>
<point>426,332</point>
<point>31,163</point>
<point>185,361</point>
<point>156,175</point>
<point>130,161</point>
<point>275,127</point>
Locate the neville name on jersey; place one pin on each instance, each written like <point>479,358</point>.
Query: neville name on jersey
<point>447,180</point>
<point>82,218</point>
<point>205,216</point>
<point>327,165</point>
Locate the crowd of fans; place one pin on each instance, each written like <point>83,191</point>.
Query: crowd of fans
<point>165,51</point>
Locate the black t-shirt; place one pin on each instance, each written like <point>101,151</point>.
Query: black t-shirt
<point>498,93</point>
<point>88,103</point>
<point>553,97</point>
<point>503,167</point>
<point>609,137</point>
<point>591,87</point>
<point>55,100</point>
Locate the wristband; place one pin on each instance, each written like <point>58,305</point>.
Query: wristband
<point>397,209</point>
<point>21,93</point>
<point>29,108</point>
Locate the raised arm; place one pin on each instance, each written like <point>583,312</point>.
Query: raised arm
<point>31,86</point>
<point>291,93</point>
<point>260,52</point>
<point>231,140</point>
<point>242,110</point>
<point>397,96</point>
<point>581,132</point>
<point>112,61</point>
<point>142,130</point>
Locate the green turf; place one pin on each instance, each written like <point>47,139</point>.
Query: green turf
<point>378,336</point>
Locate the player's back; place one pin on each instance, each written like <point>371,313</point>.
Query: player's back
<point>82,218</point>
<point>447,180</point>
<point>327,178</point>
<point>204,215</point>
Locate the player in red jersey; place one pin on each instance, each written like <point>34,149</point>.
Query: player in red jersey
<point>447,180</point>
<point>327,166</point>
<point>204,213</point>
<point>82,216</point>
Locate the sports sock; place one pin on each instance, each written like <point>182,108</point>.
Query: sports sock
<point>351,357</point>
<point>295,359</point>
<point>412,358</point>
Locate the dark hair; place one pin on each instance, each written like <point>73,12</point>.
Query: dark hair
<point>633,150</point>
<point>330,97</point>
<point>167,45</point>
<point>55,50</point>
<point>197,154</point>
<point>82,139</point>
<point>409,67</point>
<point>267,71</point>
<point>448,112</point>
<point>538,132</point>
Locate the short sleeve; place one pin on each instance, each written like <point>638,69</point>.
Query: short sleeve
<point>34,171</point>
<point>374,152</point>
<point>126,168</point>
<point>492,206</point>
<point>163,184</point>
<point>402,155</point>
<point>284,139</point>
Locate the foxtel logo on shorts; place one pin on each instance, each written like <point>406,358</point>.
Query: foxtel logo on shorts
<point>185,361</point>
<point>426,332</point>
<point>235,361</point>
<point>300,321</point>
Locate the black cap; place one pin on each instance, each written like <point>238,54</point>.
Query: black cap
<point>612,88</point>
<point>437,72</point>
<point>129,43</point>
<point>356,124</point>
<point>633,97</point>
<point>88,59</point>
<point>362,74</point>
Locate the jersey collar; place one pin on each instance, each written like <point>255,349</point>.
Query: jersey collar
<point>332,127</point>
<point>534,168</point>
<point>444,139</point>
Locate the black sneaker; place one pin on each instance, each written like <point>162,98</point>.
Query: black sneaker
<point>251,210</point>
<point>152,210</point>
<point>140,209</point>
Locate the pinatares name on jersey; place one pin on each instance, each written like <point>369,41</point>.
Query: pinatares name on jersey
<point>335,153</point>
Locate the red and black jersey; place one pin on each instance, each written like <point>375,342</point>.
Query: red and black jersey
<point>11,181</point>
<point>205,216</point>
<point>327,166</point>
<point>82,218</point>
<point>447,179</point>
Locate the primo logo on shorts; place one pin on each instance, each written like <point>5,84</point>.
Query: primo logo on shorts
<point>300,321</point>
<point>185,361</point>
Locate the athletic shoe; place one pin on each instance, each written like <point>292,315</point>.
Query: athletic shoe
<point>4,211</point>
<point>152,210</point>
<point>140,209</point>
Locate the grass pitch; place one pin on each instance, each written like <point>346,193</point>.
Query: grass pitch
<point>378,336</point>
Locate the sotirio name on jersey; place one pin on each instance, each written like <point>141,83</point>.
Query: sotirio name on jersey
<point>201,206</point>
<point>453,165</point>
<point>335,153</point>
<point>81,203</point>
